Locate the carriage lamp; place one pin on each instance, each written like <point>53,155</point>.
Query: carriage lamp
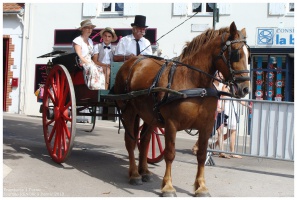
<point>49,66</point>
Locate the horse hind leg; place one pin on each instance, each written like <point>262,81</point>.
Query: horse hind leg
<point>130,119</point>
<point>145,136</point>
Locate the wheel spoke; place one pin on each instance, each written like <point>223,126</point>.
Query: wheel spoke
<point>53,88</point>
<point>60,141</point>
<point>52,134</point>
<point>51,96</point>
<point>67,133</point>
<point>54,150</point>
<point>58,87</point>
<point>49,122</point>
<point>63,93</point>
<point>66,106</point>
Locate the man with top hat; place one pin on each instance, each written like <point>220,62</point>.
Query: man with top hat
<point>134,44</point>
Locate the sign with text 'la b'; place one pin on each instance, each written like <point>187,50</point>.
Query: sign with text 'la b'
<point>275,37</point>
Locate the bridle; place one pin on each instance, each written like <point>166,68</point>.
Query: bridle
<point>233,56</point>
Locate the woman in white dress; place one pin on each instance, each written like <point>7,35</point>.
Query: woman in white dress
<point>83,46</point>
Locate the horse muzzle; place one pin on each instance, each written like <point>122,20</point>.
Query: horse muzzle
<point>240,90</point>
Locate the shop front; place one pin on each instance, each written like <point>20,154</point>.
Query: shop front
<point>272,66</point>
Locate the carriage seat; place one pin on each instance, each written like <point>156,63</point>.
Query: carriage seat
<point>71,62</point>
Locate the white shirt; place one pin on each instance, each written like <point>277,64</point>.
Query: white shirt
<point>84,46</point>
<point>127,46</point>
<point>105,58</point>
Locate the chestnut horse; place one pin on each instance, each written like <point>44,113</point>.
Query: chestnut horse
<point>224,50</point>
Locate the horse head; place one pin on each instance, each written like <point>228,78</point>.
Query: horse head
<point>233,61</point>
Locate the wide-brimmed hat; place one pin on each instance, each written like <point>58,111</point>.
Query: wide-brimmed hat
<point>139,21</point>
<point>111,31</point>
<point>85,23</point>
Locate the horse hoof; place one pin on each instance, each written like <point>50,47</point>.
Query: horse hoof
<point>147,178</point>
<point>169,194</point>
<point>202,194</point>
<point>135,181</point>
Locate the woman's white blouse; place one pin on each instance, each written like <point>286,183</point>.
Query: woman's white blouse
<point>84,47</point>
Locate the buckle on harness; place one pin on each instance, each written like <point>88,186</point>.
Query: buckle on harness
<point>203,93</point>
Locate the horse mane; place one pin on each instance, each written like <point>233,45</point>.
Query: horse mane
<point>191,48</point>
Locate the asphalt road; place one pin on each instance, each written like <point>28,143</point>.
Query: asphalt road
<point>98,167</point>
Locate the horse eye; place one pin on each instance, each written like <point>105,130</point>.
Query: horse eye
<point>235,55</point>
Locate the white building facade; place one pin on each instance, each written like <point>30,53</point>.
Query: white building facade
<point>45,27</point>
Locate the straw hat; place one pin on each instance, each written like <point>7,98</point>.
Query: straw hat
<point>85,23</point>
<point>111,31</point>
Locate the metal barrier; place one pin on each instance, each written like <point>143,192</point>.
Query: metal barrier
<point>266,129</point>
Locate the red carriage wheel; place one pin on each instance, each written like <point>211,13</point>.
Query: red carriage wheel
<point>156,146</point>
<point>59,113</point>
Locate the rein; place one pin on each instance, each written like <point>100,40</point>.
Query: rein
<point>170,31</point>
<point>188,66</point>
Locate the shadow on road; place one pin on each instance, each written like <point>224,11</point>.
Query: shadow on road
<point>99,161</point>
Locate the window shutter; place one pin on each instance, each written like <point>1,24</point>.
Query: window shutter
<point>277,8</point>
<point>180,9</point>
<point>89,9</point>
<point>130,9</point>
<point>224,8</point>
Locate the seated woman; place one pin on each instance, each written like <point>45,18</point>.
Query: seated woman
<point>83,47</point>
<point>103,52</point>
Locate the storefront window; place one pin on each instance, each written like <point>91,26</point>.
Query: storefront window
<point>270,81</point>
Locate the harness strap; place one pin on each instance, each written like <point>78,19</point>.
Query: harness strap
<point>164,99</point>
<point>171,74</point>
<point>192,93</point>
<point>157,77</point>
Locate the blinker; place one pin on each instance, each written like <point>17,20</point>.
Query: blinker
<point>235,56</point>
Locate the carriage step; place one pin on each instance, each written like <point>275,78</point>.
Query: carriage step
<point>81,120</point>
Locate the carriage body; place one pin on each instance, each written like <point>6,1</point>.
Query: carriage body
<point>67,96</point>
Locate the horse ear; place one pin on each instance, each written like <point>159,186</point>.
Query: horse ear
<point>243,31</point>
<point>233,30</point>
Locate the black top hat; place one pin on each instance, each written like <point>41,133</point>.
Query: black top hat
<point>139,21</point>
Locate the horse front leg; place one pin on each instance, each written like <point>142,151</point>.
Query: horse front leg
<point>129,123</point>
<point>169,154</point>
<point>200,188</point>
<point>145,136</point>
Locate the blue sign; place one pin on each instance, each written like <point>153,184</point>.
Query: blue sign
<point>275,37</point>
